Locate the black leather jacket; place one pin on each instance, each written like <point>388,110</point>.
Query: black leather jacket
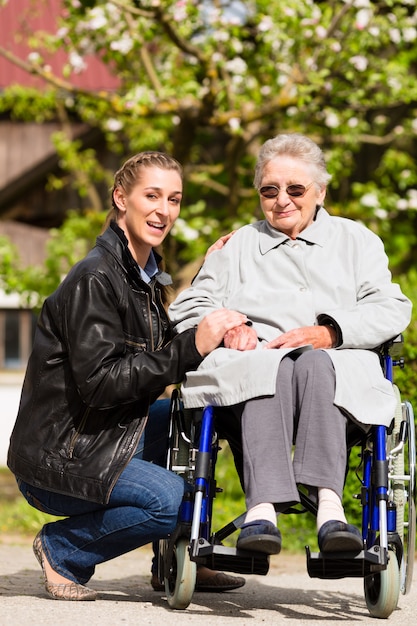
<point>102,353</point>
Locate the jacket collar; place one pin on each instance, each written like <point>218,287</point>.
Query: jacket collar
<point>114,240</point>
<point>316,233</point>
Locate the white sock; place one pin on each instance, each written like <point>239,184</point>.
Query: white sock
<point>330,507</point>
<point>264,510</point>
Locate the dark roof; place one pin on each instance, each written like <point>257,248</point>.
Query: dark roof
<point>27,154</point>
<point>18,20</point>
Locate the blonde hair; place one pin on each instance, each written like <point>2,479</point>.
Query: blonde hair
<point>296,146</point>
<point>129,174</point>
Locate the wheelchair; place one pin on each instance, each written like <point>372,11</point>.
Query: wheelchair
<point>386,493</point>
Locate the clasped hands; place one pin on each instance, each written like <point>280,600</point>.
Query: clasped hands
<point>244,337</point>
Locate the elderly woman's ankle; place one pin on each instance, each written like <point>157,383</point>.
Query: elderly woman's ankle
<point>329,507</point>
<point>262,511</point>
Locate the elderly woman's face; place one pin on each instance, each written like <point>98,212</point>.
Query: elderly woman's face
<point>290,214</point>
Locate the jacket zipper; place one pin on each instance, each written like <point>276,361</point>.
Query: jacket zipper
<point>153,300</point>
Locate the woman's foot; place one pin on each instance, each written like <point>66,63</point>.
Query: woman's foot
<point>58,587</point>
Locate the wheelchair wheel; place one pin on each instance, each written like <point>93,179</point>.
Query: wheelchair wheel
<point>383,589</point>
<point>402,489</point>
<point>180,583</point>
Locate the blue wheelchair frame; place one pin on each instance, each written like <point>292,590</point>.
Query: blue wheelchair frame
<point>382,563</point>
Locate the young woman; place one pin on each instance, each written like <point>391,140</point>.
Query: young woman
<point>103,353</point>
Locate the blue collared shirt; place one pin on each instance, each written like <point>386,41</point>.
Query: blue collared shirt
<point>151,268</point>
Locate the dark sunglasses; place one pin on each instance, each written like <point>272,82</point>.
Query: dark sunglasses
<point>295,191</point>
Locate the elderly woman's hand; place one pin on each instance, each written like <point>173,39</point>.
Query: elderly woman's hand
<point>218,245</point>
<point>317,336</point>
<point>241,338</point>
<point>212,329</point>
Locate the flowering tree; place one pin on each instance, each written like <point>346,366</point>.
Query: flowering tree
<point>210,81</point>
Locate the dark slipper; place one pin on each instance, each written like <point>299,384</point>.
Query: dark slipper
<point>337,536</point>
<point>219,582</point>
<point>216,583</point>
<point>260,536</point>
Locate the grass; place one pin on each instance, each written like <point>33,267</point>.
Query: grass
<point>17,517</point>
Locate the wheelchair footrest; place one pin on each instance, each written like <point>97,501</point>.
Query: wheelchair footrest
<point>218,557</point>
<point>332,565</point>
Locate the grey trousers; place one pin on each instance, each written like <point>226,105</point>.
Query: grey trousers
<point>300,414</point>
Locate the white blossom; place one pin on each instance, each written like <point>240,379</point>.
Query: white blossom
<point>412,199</point>
<point>363,17</point>
<point>395,35</point>
<point>222,35</point>
<point>402,204</point>
<point>114,125</point>
<point>321,32</point>
<point>62,32</point>
<point>34,57</point>
<point>360,4</point>
<point>359,62</point>
<point>410,34</point>
<point>77,62</point>
<point>332,119</point>
<point>369,200</point>
<point>97,18</point>
<point>184,230</point>
<point>123,45</point>
<point>180,11</point>
<point>234,123</point>
<point>289,12</point>
<point>236,66</point>
<point>382,214</point>
<point>381,119</point>
<point>266,24</point>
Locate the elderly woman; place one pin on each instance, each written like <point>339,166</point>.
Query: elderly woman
<point>319,295</point>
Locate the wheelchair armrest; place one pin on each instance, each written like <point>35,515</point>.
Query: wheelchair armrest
<point>393,347</point>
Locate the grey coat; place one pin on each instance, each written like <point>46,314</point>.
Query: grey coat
<point>336,271</point>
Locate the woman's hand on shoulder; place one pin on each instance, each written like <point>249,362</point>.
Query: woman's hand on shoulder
<point>218,245</point>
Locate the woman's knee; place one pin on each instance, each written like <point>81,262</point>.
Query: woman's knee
<point>171,493</point>
<point>148,486</point>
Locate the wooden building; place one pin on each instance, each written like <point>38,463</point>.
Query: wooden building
<point>27,156</point>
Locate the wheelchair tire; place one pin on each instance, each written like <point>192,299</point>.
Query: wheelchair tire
<point>382,590</point>
<point>180,584</point>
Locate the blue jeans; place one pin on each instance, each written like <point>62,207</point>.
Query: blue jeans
<point>143,508</point>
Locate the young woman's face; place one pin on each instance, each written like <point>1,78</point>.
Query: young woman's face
<point>286,213</point>
<point>149,211</point>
